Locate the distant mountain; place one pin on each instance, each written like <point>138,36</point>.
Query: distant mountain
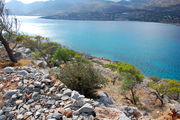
<point>166,11</point>
<point>41,8</point>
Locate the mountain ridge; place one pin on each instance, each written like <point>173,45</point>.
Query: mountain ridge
<point>166,11</point>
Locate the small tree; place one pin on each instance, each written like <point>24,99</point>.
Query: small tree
<point>132,77</point>
<point>8,26</point>
<point>43,48</point>
<point>82,77</point>
<point>168,87</point>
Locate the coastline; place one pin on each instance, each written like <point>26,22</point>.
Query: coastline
<point>44,17</point>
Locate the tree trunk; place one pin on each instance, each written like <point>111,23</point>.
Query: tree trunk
<point>8,49</point>
<point>159,97</point>
<point>133,97</point>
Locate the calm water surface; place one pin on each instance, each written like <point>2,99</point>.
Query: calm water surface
<point>152,47</point>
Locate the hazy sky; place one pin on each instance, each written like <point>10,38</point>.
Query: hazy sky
<point>30,1</point>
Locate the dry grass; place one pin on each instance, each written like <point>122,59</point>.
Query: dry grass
<point>23,62</point>
<point>147,102</point>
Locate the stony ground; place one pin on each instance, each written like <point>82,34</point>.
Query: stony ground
<point>35,96</point>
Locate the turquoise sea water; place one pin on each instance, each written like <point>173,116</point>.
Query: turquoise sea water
<point>152,47</point>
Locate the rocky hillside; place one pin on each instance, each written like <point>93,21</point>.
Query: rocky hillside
<point>166,11</point>
<point>31,92</point>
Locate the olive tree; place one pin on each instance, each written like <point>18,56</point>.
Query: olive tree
<point>9,25</point>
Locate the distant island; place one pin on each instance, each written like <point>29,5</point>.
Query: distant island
<point>164,11</point>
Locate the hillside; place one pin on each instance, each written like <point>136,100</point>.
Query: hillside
<point>166,11</point>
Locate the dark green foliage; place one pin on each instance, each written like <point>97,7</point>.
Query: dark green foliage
<point>64,54</point>
<point>82,77</point>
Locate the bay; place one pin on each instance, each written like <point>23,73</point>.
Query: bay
<point>152,47</point>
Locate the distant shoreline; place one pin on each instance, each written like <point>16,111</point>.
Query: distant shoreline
<point>44,17</point>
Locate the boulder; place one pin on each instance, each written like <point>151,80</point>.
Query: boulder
<point>67,92</point>
<point>75,95</point>
<point>131,112</point>
<point>8,70</point>
<point>109,114</point>
<point>105,99</point>
<point>175,109</point>
<point>87,108</point>
<point>23,73</point>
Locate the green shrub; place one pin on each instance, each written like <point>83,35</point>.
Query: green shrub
<point>82,77</point>
<point>113,67</point>
<point>64,54</point>
<point>79,58</point>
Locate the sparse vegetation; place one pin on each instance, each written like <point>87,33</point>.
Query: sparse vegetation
<point>131,77</point>
<point>168,87</point>
<point>82,77</point>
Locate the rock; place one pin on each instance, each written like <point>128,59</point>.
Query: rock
<point>46,81</point>
<point>24,50</point>
<point>2,117</point>
<point>37,84</point>
<point>131,112</point>
<point>27,114</point>
<point>1,112</point>
<point>57,116</point>
<point>18,102</point>
<point>58,96</point>
<point>175,109</point>
<point>105,99</point>
<point>1,86</point>
<point>2,78</point>
<point>27,50</point>
<point>75,95</point>
<point>23,73</point>
<point>87,108</point>
<point>50,103</point>
<point>79,103</point>
<point>18,55</point>
<point>20,116</point>
<point>35,94</point>
<point>8,70</point>
<point>42,64</point>
<point>64,98</point>
<point>67,92</point>
<point>109,114</point>
<point>9,93</point>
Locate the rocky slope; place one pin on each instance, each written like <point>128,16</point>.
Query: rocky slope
<point>37,97</point>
